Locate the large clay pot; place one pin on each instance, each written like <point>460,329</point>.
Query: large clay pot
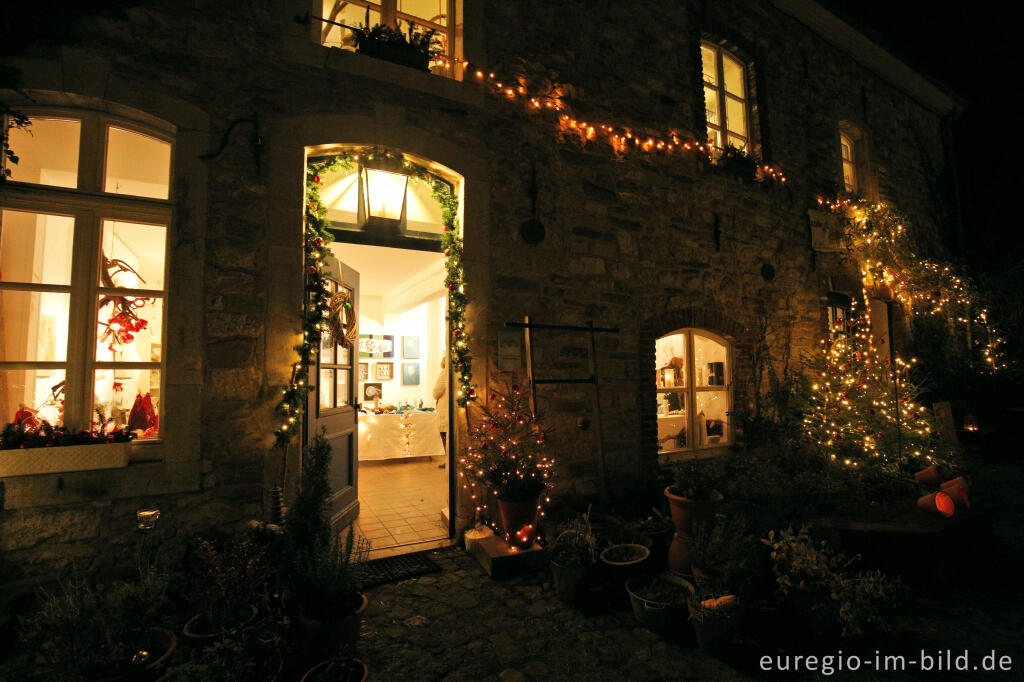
<point>519,519</point>
<point>685,514</point>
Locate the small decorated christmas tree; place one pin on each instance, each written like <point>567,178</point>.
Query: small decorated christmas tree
<point>862,410</point>
<point>506,457</point>
<point>506,450</point>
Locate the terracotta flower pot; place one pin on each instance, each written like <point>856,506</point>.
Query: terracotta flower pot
<point>714,622</point>
<point>959,489</point>
<point>937,503</point>
<point>685,514</point>
<point>928,476</point>
<point>519,519</point>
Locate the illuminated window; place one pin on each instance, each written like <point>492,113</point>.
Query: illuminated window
<point>694,390</point>
<point>725,98</point>
<point>441,16</point>
<point>848,152</point>
<point>837,310</point>
<point>83,272</point>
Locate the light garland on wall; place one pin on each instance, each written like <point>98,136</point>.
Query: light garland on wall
<point>880,238</point>
<point>622,139</point>
<point>316,307</point>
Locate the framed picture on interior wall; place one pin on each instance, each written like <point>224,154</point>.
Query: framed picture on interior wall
<point>384,371</point>
<point>376,346</point>
<point>156,352</point>
<point>364,371</point>
<point>411,348</point>
<point>410,374</point>
<point>372,392</point>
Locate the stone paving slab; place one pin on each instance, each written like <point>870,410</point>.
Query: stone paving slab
<point>462,625</point>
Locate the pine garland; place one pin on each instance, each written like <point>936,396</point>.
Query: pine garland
<point>316,307</point>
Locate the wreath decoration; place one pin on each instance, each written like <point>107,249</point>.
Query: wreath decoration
<point>345,334</point>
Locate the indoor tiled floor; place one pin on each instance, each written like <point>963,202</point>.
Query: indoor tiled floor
<point>400,502</point>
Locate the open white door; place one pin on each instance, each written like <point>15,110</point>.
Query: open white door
<point>331,405</point>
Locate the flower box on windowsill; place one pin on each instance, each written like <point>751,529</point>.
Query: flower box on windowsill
<point>58,460</point>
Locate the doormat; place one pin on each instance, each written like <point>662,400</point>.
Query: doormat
<point>394,568</point>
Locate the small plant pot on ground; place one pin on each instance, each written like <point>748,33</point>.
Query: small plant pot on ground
<point>334,634</point>
<point>569,579</point>
<point>714,622</point>
<point>199,627</point>
<point>337,670</point>
<point>622,562</point>
<point>660,603</point>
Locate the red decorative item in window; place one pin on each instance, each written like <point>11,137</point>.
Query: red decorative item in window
<point>143,416</point>
<point>26,416</point>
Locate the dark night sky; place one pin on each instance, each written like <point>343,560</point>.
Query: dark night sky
<point>974,49</point>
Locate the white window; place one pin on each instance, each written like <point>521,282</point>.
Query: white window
<point>694,389</point>
<point>441,16</point>
<point>83,272</point>
<point>848,152</point>
<point>725,98</point>
<point>837,310</point>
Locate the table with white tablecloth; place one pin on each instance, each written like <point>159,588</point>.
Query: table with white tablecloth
<point>390,436</point>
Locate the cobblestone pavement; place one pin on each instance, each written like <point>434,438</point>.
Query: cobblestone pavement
<point>462,625</point>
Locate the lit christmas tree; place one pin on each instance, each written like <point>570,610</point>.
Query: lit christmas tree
<point>862,411</point>
<point>505,455</point>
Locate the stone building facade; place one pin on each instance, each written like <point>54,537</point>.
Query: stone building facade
<point>643,242</point>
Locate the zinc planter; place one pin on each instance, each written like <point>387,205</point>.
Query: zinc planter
<point>660,604</point>
<point>58,460</point>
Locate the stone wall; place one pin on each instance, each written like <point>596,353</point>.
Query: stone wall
<point>643,243</point>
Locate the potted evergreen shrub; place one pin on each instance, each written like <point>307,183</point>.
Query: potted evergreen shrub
<point>692,499</point>
<point>573,555</point>
<point>506,456</point>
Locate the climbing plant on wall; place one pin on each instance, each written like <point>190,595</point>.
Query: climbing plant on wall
<point>316,306</point>
<point>881,240</point>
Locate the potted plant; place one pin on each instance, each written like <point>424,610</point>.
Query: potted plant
<point>411,48</point>
<point>104,632</point>
<point>738,162</point>
<point>692,499</point>
<point>659,602</point>
<point>825,598</point>
<point>506,456</point>
<point>723,552</point>
<point>714,614</point>
<point>230,583</point>
<point>323,590</point>
<point>573,554</point>
<point>29,447</point>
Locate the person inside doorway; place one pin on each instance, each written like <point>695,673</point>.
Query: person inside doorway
<point>441,406</point>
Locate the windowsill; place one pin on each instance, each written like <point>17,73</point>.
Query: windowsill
<point>302,51</point>
<point>668,458</point>
<point>149,478</point>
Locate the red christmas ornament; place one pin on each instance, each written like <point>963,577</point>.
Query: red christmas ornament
<point>311,269</point>
<point>451,287</point>
<point>317,179</point>
<point>456,332</point>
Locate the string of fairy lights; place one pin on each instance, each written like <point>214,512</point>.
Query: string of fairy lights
<point>505,456</point>
<point>863,411</point>
<point>316,309</point>
<point>881,240</point>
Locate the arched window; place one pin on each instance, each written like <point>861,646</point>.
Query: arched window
<point>84,227</point>
<point>726,98</point>
<point>694,390</point>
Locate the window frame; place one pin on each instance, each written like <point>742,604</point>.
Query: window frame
<point>390,14</point>
<point>690,390</point>
<point>723,97</point>
<point>90,205</point>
